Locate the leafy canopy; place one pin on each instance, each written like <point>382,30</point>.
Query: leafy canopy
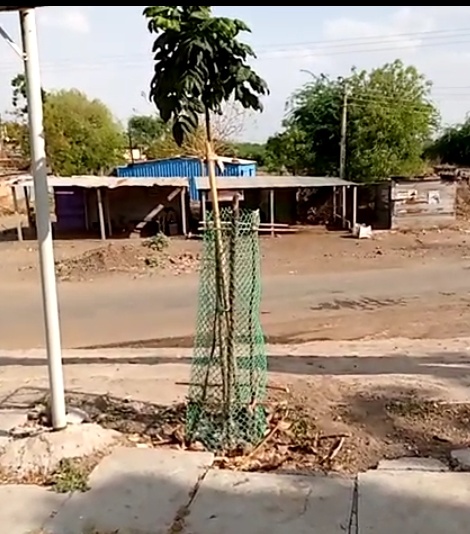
<point>145,131</point>
<point>18,100</point>
<point>82,136</point>
<point>453,146</point>
<point>199,65</point>
<point>390,120</point>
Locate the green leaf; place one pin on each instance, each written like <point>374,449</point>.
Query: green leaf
<point>178,133</point>
<point>199,65</point>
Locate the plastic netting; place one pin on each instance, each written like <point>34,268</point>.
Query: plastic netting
<point>229,368</point>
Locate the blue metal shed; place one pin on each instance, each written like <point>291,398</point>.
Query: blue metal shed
<point>187,167</point>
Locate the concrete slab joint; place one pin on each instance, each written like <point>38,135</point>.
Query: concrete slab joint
<point>413,464</point>
<point>133,490</point>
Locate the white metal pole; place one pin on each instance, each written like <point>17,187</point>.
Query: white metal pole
<point>99,200</point>
<point>271,211</point>
<point>43,221</point>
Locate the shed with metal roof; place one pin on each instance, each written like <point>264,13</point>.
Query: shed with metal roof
<point>276,196</point>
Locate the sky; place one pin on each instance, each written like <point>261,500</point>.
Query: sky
<point>106,52</point>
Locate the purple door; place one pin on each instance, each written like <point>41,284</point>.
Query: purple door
<point>70,209</point>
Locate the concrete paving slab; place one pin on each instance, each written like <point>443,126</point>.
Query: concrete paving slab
<point>9,419</point>
<point>43,452</point>
<point>414,502</point>
<point>26,509</point>
<point>260,503</point>
<point>133,490</point>
<point>413,464</point>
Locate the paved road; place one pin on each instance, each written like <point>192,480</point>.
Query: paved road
<point>121,310</point>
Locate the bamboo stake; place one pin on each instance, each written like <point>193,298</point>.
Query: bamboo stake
<point>222,294</point>
<point>231,356</point>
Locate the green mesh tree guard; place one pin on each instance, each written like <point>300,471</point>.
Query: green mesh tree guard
<point>229,368</point>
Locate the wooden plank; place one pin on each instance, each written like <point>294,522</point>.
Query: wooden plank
<point>19,229</point>
<point>152,214</point>
<point>183,212</point>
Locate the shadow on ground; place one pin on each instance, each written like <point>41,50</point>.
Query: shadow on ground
<point>231,502</point>
<point>447,365</point>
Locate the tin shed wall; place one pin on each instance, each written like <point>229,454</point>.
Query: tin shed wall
<point>423,204</point>
<point>185,167</point>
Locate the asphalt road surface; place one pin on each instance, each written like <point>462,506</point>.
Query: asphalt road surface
<point>120,311</point>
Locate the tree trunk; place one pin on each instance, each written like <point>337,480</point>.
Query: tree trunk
<point>208,126</point>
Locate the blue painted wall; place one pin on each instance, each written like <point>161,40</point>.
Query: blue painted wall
<point>189,168</point>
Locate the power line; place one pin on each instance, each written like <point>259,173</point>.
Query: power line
<point>323,48</point>
<point>370,39</point>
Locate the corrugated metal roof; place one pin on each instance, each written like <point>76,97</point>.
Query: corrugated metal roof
<point>101,181</point>
<point>221,159</point>
<point>170,163</point>
<point>271,182</point>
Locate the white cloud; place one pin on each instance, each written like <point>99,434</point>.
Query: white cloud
<point>66,18</point>
<point>434,39</point>
<point>399,32</point>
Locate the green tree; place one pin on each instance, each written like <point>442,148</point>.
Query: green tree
<point>453,145</point>
<point>390,120</point>
<point>18,85</point>
<point>288,152</point>
<point>312,127</point>
<point>145,131</point>
<point>199,65</point>
<point>82,136</point>
<point>253,151</point>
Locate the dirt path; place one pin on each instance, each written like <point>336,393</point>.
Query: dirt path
<point>429,301</point>
<point>316,285</point>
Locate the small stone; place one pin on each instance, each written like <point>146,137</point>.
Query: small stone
<point>24,431</point>
<point>413,464</point>
<point>76,416</point>
<point>461,457</point>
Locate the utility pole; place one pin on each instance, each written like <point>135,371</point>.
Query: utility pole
<point>344,127</point>
<point>43,222</point>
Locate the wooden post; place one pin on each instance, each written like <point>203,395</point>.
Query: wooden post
<point>183,211</point>
<point>108,213</point>
<point>204,208</point>
<point>19,229</point>
<point>271,211</point>
<point>343,206</point>
<point>101,213</point>
<point>26,192</point>
<point>354,208</point>
<point>335,209</point>
<point>85,205</point>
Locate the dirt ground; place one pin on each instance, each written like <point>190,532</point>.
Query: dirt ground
<point>340,406</point>
<point>317,285</point>
<point>304,433</point>
<point>312,250</point>
<point>346,412</point>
